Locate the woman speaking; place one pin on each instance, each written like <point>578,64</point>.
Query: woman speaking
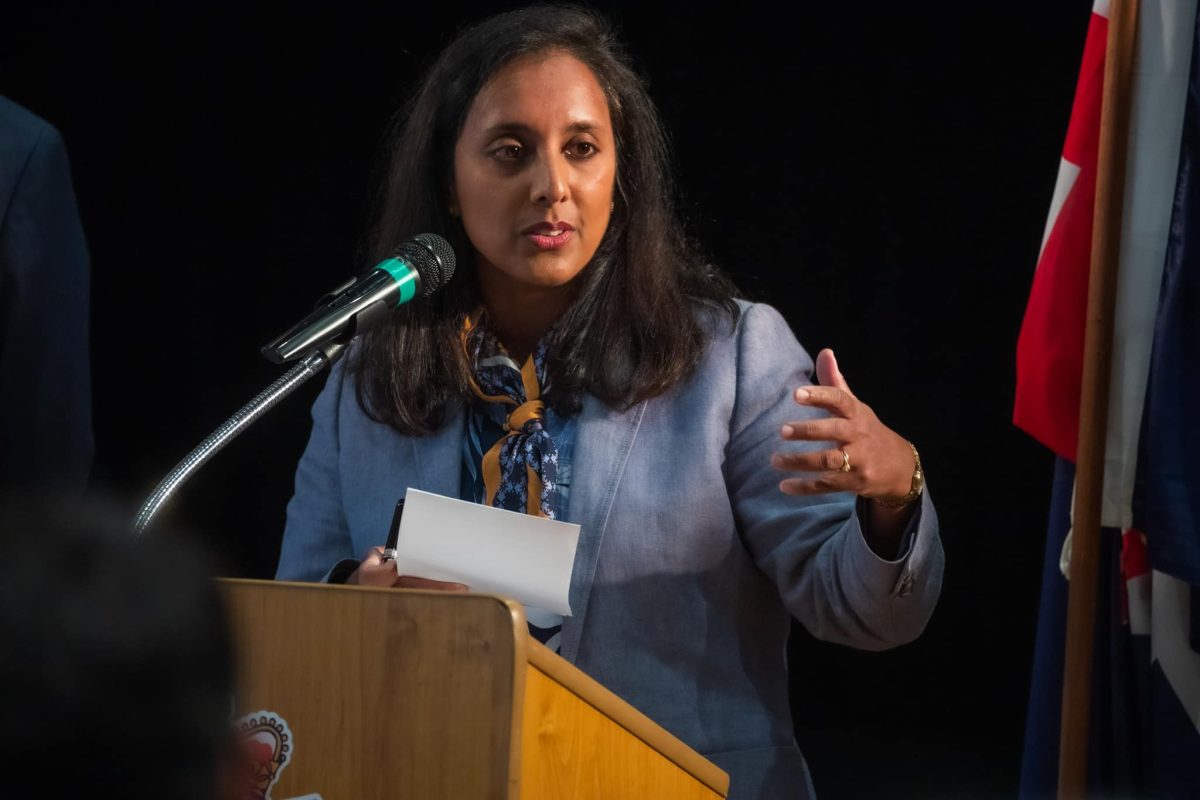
<point>606,375</point>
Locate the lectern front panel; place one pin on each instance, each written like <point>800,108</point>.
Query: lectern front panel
<point>384,693</point>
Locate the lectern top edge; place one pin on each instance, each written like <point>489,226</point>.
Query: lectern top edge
<point>628,717</point>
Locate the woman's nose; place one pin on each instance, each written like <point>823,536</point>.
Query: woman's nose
<point>550,184</point>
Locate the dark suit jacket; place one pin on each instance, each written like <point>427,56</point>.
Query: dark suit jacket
<point>45,377</point>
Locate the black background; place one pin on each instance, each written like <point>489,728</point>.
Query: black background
<point>881,174</point>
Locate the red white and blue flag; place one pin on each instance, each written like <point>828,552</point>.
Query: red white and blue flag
<point>1145,736</point>
<point>1050,347</point>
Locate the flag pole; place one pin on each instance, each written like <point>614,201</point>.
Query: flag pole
<point>1093,406</point>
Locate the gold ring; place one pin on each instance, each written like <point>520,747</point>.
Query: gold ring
<point>845,460</point>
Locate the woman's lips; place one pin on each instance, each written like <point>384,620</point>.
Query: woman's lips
<point>549,235</point>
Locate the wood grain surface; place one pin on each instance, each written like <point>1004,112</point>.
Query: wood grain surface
<point>571,749</point>
<point>410,694</point>
<point>388,693</point>
<point>607,721</point>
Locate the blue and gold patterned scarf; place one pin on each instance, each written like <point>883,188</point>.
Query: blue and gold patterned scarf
<point>519,471</point>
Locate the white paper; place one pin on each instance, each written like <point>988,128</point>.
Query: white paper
<point>494,551</point>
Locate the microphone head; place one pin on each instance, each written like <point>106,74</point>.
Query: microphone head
<point>432,257</point>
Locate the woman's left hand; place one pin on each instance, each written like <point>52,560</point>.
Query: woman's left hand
<point>881,462</point>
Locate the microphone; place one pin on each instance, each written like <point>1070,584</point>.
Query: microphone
<point>419,266</point>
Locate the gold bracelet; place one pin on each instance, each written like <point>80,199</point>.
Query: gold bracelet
<point>918,483</point>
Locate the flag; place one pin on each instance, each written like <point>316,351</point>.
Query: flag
<point>1050,345</point>
<point>1166,496</point>
<point>1145,732</point>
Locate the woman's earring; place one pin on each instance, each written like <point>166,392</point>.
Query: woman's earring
<point>453,211</point>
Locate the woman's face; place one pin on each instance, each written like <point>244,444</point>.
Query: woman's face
<point>534,171</point>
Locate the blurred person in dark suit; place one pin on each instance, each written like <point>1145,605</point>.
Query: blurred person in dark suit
<point>115,669</point>
<point>45,381</point>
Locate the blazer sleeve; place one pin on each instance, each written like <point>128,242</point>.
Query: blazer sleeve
<point>317,536</point>
<point>813,548</point>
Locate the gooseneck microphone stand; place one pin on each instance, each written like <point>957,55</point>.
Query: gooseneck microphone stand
<point>419,266</point>
<point>309,366</point>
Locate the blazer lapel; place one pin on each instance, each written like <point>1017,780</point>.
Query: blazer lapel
<point>602,444</point>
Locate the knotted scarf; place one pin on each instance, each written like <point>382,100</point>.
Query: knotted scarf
<point>519,471</point>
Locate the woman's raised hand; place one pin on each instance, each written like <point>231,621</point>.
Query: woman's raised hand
<point>867,458</point>
<point>374,571</point>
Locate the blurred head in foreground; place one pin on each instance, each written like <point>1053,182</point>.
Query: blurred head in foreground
<point>115,664</point>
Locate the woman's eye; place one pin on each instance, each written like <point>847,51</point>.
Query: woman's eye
<point>582,149</point>
<point>508,152</point>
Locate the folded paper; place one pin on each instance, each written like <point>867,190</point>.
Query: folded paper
<point>491,550</point>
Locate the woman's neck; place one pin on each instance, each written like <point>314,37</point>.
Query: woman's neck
<point>521,315</point>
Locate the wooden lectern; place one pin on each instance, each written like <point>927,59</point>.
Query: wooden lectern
<point>407,694</point>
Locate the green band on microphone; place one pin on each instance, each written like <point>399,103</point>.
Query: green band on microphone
<point>403,274</point>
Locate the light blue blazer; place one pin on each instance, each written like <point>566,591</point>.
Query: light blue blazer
<point>691,562</point>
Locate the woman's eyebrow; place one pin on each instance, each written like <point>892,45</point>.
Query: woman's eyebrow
<point>501,128</point>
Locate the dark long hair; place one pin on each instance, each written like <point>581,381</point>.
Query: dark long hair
<point>634,328</point>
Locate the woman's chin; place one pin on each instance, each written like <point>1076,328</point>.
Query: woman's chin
<point>545,270</point>
<point>546,276</point>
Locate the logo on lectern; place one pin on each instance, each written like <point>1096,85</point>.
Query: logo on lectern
<point>265,746</point>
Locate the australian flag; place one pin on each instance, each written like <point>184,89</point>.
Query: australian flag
<point>1145,736</point>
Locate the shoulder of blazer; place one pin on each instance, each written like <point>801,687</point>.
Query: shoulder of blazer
<point>21,132</point>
